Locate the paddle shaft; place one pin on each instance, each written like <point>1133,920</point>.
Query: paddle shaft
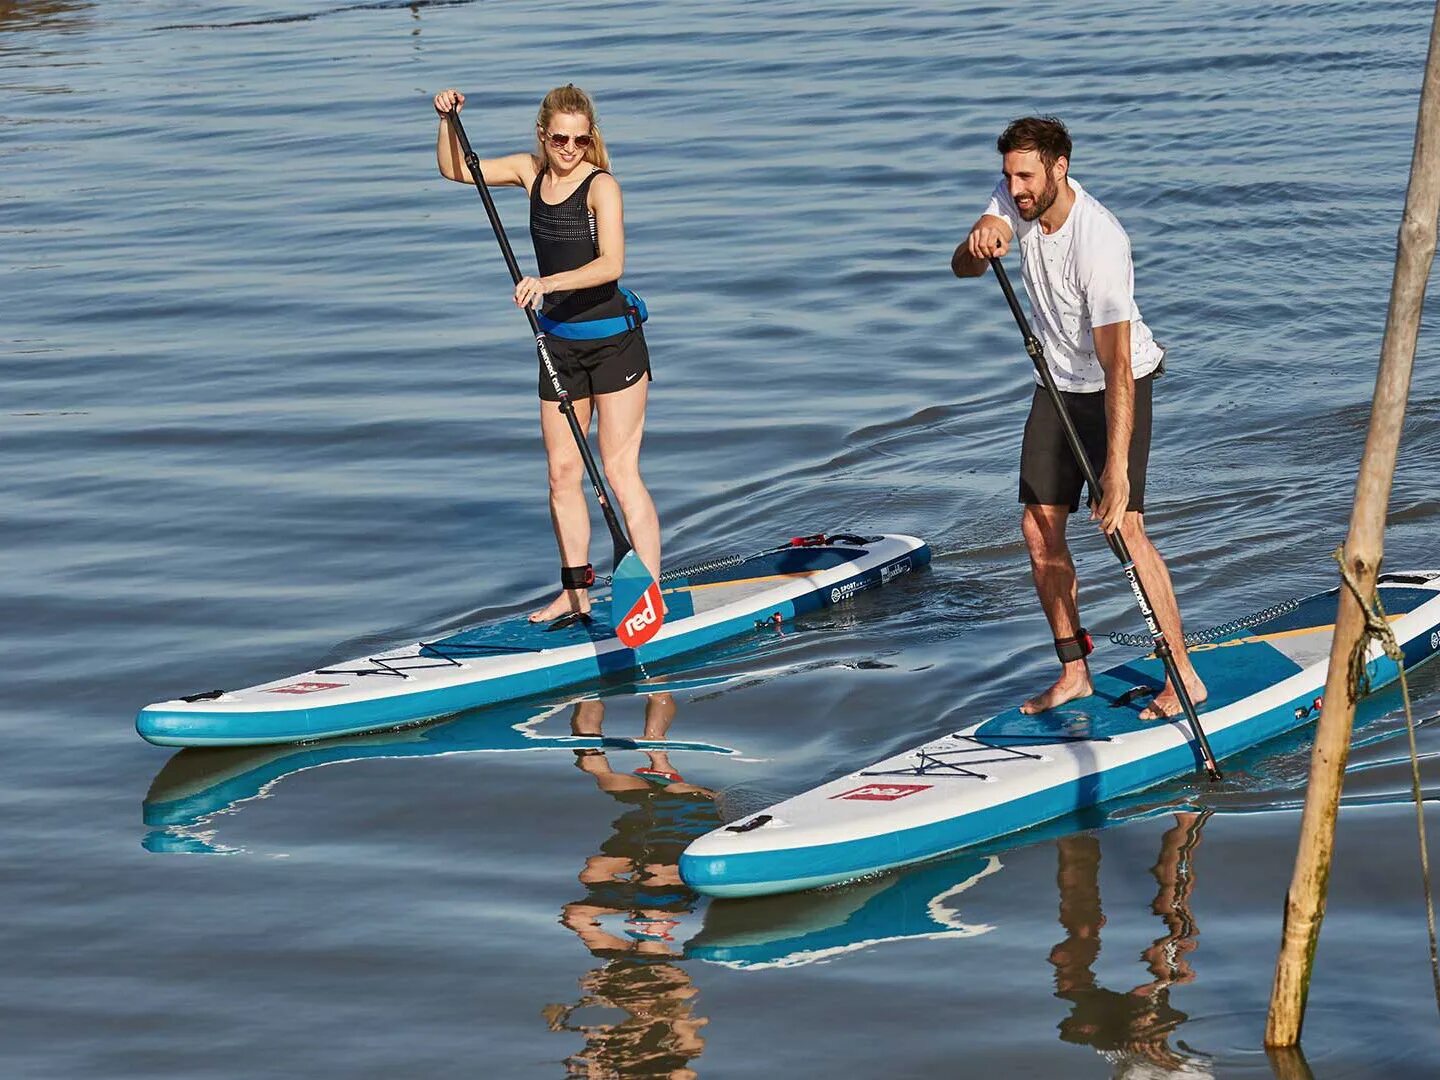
<point>472,162</point>
<point>1115,540</point>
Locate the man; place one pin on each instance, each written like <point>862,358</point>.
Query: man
<point>1081,283</point>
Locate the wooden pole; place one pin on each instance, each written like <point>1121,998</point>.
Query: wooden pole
<point>1364,548</point>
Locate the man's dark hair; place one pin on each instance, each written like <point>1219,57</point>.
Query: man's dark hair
<point>1045,134</point>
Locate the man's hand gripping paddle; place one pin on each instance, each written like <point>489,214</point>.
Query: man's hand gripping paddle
<point>1116,541</point>
<point>635,601</point>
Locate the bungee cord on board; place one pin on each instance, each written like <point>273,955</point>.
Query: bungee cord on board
<point>1200,637</point>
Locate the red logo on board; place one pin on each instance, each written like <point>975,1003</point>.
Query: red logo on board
<point>882,792</point>
<point>304,687</point>
<point>643,620</point>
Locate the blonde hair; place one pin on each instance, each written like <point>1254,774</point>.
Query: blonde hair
<point>571,99</point>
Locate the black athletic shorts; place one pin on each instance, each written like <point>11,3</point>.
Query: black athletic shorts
<point>603,366</point>
<point>1049,474</point>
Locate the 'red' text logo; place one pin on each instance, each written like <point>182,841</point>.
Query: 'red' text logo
<point>304,687</point>
<point>643,620</point>
<point>882,792</point>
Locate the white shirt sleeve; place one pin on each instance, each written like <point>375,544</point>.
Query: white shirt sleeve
<point>1001,205</point>
<point>1107,277</point>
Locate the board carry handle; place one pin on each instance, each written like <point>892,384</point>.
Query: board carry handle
<point>1117,543</point>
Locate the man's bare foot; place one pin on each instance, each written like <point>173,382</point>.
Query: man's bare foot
<point>1074,682</point>
<point>1166,704</point>
<point>569,600</point>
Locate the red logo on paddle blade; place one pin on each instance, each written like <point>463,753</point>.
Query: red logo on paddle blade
<point>644,619</point>
<point>882,792</point>
<point>304,687</point>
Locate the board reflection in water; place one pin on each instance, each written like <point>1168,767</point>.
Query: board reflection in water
<point>796,929</point>
<point>198,786</point>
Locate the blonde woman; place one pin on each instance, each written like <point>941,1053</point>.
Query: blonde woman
<point>592,325</point>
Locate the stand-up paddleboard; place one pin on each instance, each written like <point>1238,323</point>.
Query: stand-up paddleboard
<point>511,658</point>
<point>1014,771</point>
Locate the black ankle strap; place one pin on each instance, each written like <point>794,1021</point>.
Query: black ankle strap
<point>1074,648</point>
<point>577,577</point>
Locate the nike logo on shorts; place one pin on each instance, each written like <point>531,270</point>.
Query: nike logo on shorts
<point>630,378</point>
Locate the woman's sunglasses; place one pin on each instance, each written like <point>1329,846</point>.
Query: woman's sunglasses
<point>559,141</point>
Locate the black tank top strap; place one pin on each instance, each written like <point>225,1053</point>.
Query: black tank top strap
<point>584,187</point>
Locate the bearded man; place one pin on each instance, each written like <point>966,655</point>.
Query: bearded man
<point>1081,284</point>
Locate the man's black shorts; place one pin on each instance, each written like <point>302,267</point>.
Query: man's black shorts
<point>587,368</point>
<point>1049,474</point>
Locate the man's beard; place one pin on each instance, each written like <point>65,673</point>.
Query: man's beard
<point>1044,201</point>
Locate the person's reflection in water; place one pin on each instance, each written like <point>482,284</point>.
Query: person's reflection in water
<point>633,903</point>
<point>49,15</point>
<point>1131,1030</point>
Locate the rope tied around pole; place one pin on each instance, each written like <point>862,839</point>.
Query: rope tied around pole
<point>1377,627</point>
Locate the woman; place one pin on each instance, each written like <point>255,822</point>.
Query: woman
<point>577,223</point>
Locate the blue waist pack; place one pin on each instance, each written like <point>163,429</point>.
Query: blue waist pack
<point>593,329</point>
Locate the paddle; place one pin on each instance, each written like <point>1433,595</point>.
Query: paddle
<point>635,601</point>
<point>1115,540</point>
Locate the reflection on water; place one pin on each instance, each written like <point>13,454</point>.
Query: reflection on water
<point>795,929</point>
<point>631,913</point>
<point>413,6</point>
<point>42,14</point>
<point>1288,1063</point>
<point>633,906</point>
<point>1131,1029</point>
<point>197,786</point>
<point>1134,1029</point>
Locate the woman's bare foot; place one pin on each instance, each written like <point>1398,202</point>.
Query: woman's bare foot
<point>1166,704</point>
<point>570,601</point>
<point>1074,682</point>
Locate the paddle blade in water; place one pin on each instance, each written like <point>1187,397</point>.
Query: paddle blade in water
<point>635,601</point>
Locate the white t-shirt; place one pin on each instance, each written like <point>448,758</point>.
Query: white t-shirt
<point>1078,277</point>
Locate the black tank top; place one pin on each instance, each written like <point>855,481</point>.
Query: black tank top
<point>565,239</point>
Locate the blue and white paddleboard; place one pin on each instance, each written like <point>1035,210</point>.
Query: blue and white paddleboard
<point>511,659</point>
<point>1015,771</point>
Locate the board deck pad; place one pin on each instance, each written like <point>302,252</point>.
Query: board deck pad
<point>1233,668</point>
<point>511,659</point>
<point>1013,771</point>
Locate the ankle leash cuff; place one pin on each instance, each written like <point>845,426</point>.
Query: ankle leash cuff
<point>1074,648</point>
<point>577,577</point>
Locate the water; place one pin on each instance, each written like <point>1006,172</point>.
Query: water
<point>266,405</point>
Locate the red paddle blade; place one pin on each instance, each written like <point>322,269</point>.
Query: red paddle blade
<point>635,599</point>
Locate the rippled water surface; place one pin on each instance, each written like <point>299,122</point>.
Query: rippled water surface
<point>266,405</point>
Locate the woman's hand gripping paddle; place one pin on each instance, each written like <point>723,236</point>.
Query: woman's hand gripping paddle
<point>1117,543</point>
<point>635,603</point>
